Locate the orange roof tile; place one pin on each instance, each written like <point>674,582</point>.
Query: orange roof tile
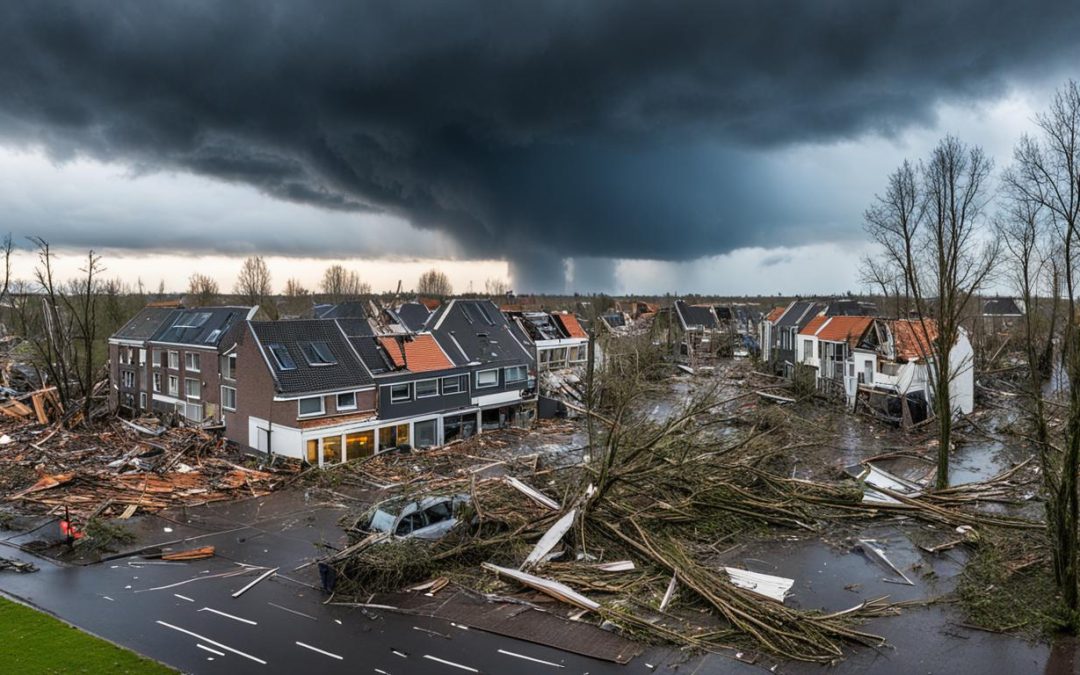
<point>775,315</point>
<point>418,354</point>
<point>912,340</point>
<point>431,303</point>
<point>812,327</point>
<point>845,329</point>
<point>570,323</point>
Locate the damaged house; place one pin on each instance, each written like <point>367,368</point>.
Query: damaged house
<point>890,367</point>
<point>780,331</point>
<point>165,359</point>
<point>826,344</point>
<point>700,330</point>
<point>331,390</point>
<point>558,338</point>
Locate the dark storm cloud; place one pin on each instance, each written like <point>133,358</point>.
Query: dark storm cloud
<point>617,129</point>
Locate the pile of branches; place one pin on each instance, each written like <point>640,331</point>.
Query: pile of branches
<point>661,496</point>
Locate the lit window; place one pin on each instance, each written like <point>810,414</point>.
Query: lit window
<point>311,406</point>
<point>346,401</point>
<point>487,378</point>
<point>282,356</point>
<point>516,374</point>
<point>427,388</point>
<point>228,398</point>
<point>400,392</point>
<point>317,353</point>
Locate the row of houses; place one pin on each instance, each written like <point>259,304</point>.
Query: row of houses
<point>353,381</point>
<point>888,362</point>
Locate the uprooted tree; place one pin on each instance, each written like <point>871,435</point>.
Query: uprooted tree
<point>928,226</point>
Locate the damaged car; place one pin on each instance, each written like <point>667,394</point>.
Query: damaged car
<point>426,518</point>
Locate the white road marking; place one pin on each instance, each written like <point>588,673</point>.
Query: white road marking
<point>229,616</point>
<point>108,598</point>
<point>183,597</point>
<point>529,658</point>
<point>316,649</point>
<point>450,663</point>
<point>381,672</point>
<point>431,632</point>
<point>293,611</point>
<point>213,642</point>
<point>397,653</point>
<point>212,651</point>
<point>458,625</point>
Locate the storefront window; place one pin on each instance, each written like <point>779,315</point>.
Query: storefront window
<point>426,433</point>
<point>403,434</point>
<point>459,426</point>
<point>359,444</point>
<point>331,449</point>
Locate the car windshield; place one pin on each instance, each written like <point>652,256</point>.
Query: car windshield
<point>381,521</point>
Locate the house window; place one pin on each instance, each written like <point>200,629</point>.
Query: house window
<point>453,385</point>
<point>228,367</point>
<point>228,398</point>
<point>516,374</point>
<point>346,401</point>
<point>317,353</point>
<point>311,406</point>
<point>359,444</point>
<point>155,358</point>
<point>393,437</point>
<point>127,379</point>
<point>281,354</point>
<point>174,360</point>
<point>427,388</point>
<point>157,381</point>
<point>142,400</point>
<point>807,350</point>
<point>142,357</point>
<point>213,336</point>
<point>331,449</point>
<point>487,378</point>
<point>425,433</point>
<point>193,388</point>
<point>400,392</point>
<point>191,361</point>
<point>174,385</point>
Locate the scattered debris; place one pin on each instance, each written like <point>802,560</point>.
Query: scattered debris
<point>877,555</point>
<point>767,585</point>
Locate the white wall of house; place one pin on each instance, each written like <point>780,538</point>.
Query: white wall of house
<point>962,367</point>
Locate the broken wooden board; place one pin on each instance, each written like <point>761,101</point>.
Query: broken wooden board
<point>766,585</point>
<point>775,398</point>
<point>191,554</point>
<point>552,537</point>
<point>549,587</point>
<point>532,493</point>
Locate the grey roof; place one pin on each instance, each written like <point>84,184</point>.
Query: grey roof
<point>146,323</point>
<point>799,314</point>
<point>538,325</point>
<point>202,326</point>
<point>372,354</point>
<point>355,327</point>
<point>353,309</point>
<point>691,316</point>
<point>347,372</point>
<point>848,307</point>
<point>1002,307</point>
<point>413,315</point>
<point>480,330</point>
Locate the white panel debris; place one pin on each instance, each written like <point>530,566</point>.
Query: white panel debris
<point>767,585</point>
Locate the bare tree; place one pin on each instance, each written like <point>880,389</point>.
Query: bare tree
<point>203,289</point>
<point>435,283</point>
<point>494,286</point>
<point>928,225</point>
<point>339,284</point>
<point>1046,173</point>
<point>294,289</point>
<point>253,283</point>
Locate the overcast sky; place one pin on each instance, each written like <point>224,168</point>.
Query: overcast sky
<point>634,147</point>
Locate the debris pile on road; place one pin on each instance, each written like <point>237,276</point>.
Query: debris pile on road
<point>121,467</point>
<point>633,536</point>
